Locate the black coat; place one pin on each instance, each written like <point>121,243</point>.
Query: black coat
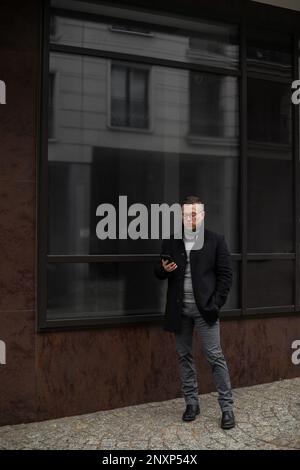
<point>212,276</point>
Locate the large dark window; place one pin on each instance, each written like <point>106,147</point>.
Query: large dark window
<point>270,283</point>
<point>155,108</point>
<point>270,167</point>
<point>270,172</point>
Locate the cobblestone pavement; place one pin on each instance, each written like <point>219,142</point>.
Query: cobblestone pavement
<point>267,416</point>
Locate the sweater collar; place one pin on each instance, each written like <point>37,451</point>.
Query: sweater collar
<point>189,234</point>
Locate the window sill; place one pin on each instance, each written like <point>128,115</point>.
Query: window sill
<point>131,129</point>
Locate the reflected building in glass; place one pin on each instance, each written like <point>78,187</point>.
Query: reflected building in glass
<point>138,128</point>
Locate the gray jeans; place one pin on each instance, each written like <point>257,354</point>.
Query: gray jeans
<point>210,338</point>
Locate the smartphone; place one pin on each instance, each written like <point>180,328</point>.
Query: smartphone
<point>167,257</point>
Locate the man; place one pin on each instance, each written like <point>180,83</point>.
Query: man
<point>199,280</point>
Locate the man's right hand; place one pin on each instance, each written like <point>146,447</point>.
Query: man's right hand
<point>169,267</point>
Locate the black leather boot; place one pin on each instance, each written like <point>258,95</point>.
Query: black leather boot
<point>191,412</point>
<point>228,420</point>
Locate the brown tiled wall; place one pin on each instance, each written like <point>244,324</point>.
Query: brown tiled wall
<point>19,22</point>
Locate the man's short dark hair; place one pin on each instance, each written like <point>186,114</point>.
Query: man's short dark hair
<point>192,200</point>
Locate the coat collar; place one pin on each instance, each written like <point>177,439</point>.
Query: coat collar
<point>206,234</point>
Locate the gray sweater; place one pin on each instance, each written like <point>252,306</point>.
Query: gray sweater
<point>188,294</point>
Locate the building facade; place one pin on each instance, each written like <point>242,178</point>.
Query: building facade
<point>152,101</point>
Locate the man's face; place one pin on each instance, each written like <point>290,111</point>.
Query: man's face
<point>192,215</point>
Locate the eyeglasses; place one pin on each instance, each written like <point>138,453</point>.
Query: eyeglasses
<point>191,216</point>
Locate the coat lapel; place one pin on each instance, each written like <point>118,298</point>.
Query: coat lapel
<point>194,253</point>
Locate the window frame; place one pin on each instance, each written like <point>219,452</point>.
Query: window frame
<point>149,128</point>
<point>56,77</point>
<point>241,17</point>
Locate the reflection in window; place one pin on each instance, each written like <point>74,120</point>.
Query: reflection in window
<point>270,283</point>
<point>270,168</point>
<point>51,121</point>
<point>91,165</point>
<point>129,96</point>
<point>212,44</point>
<point>128,29</point>
<point>269,111</point>
<point>270,205</point>
<point>213,105</point>
<point>269,52</point>
<point>103,290</point>
<point>53,28</point>
<point>215,45</point>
